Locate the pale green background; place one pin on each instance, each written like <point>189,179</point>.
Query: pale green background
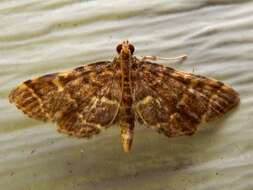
<point>39,37</point>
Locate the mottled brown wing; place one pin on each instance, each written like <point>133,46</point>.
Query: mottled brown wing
<point>81,101</point>
<point>175,102</point>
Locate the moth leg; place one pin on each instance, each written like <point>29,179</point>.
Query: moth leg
<point>155,58</point>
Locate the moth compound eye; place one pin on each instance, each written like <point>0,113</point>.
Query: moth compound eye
<point>119,48</point>
<point>131,48</point>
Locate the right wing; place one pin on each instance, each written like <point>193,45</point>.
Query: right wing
<point>175,102</point>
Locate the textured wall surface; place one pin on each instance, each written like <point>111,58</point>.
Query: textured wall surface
<point>39,37</point>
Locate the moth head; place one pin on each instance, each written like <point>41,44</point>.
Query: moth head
<point>125,47</point>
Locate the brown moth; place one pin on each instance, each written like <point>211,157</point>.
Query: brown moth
<point>87,99</point>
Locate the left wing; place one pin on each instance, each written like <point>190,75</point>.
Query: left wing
<point>82,101</point>
<point>175,102</point>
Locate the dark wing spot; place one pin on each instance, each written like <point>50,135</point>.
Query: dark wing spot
<point>28,82</point>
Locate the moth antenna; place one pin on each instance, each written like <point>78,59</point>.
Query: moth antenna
<point>155,58</point>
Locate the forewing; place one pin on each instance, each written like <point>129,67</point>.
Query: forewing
<point>175,102</point>
<point>81,101</point>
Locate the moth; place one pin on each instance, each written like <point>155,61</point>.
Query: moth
<point>92,97</point>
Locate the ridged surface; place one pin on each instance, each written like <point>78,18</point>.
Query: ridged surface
<point>39,37</point>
